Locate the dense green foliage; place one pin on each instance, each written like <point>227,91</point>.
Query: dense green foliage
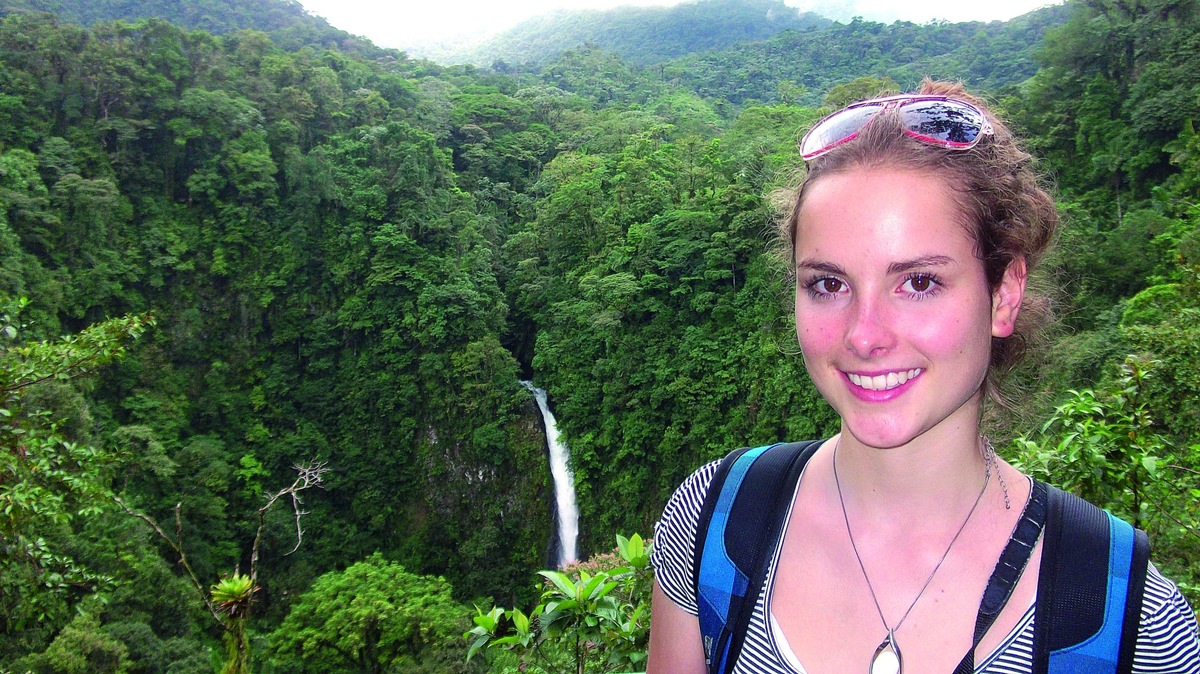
<point>350,262</point>
<point>50,477</point>
<point>373,617</point>
<point>985,56</point>
<point>1111,111</point>
<point>736,51</point>
<point>324,292</point>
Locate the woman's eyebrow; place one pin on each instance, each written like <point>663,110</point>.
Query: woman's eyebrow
<point>920,263</point>
<point>819,265</point>
<point>923,262</point>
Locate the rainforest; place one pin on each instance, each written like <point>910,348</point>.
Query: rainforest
<point>268,293</point>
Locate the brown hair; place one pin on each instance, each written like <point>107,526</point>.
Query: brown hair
<point>1004,206</point>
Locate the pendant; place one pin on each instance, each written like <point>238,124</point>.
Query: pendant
<point>887,657</point>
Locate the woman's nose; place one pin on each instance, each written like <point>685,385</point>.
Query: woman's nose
<point>869,332</point>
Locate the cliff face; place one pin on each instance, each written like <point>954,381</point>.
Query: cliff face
<point>486,512</point>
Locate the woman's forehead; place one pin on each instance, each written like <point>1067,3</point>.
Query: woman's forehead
<point>881,213</point>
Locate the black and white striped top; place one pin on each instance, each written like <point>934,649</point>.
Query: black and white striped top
<point>1168,638</point>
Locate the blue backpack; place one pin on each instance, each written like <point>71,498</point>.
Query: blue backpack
<point>1090,587</point>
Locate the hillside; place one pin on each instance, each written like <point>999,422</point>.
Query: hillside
<point>286,21</point>
<point>641,35</point>
<point>985,55</point>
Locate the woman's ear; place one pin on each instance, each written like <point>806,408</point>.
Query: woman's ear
<point>1006,300</point>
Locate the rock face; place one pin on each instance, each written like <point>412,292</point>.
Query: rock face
<point>486,519</point>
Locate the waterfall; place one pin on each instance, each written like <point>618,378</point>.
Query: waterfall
<point>564,482</point>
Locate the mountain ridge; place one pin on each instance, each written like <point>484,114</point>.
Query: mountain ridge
<point>289,24</point>
<point>641,35</point>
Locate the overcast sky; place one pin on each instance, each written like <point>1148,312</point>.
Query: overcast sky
<point>412,23</point>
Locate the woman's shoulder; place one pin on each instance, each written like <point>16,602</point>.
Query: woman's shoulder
<point>1168,636</point>
<point>682,512</point>
<point>675,537</point>
<point>689,495</point>
<point>674,551</point>
<point>1162,595</point>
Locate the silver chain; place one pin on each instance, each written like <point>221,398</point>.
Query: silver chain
<point>987,475</point>
<point>989,454</point>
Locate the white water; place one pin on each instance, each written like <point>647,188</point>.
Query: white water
<point>564,482</point>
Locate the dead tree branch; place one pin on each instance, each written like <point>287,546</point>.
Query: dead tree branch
<point>176,545</point>
<point>308,475</point>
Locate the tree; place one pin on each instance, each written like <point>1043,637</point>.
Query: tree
<point>858,89</point>
<point>1106,445</point>
<point>1101,445</point>
<point>49,478</point>
<point>374,617</point>
<point>81,648</point>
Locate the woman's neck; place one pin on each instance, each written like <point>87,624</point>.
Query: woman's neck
<point>930,476</point>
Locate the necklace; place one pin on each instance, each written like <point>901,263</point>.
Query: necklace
<point>989,455</point>
<point>887,657</point>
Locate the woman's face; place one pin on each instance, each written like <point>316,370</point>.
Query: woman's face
<point>893,310</point>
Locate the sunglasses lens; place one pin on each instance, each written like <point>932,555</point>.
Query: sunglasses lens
<point>836,129</point>
<point>949,123</point>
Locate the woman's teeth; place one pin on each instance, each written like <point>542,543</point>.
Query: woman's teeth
<point>883,382</point>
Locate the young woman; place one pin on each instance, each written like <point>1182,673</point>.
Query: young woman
<point>912,235</point>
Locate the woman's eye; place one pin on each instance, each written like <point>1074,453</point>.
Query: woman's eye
<point>920,284</point>
<point>830,285</point>
<point>825,287</point>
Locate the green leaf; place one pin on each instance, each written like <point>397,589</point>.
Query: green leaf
<point>561,581</point>
<point>488,620</point>
<point>520,621</point>
<point>1150,463</point>
<point>476,645</point>
<point>592,585</point>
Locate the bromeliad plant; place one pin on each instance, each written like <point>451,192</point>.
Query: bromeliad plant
<point>589,619</point>
<point>232,597</point>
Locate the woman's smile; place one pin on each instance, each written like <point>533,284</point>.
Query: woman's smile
<point>880,388</point>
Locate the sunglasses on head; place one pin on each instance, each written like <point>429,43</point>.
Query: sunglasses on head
<point>938,120</point>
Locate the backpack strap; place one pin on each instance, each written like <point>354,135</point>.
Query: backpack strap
<point>1090,587</point>
<point>1008,571</point>
<point>739,529</point>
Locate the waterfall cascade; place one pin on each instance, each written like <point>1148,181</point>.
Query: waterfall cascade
<point>564,481</point>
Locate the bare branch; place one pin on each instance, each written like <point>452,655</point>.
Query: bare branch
<point>1186,528</point>
<point>308,475</point>
<point>176,545</point>
<point>1185,469</point>
<point>299,532</point>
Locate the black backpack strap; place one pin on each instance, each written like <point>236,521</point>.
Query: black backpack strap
<point>741,522</point>
<point>1090,588</point>
<point>1008,570</point>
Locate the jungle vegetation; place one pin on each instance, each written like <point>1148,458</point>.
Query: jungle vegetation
<point>227,258</point>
